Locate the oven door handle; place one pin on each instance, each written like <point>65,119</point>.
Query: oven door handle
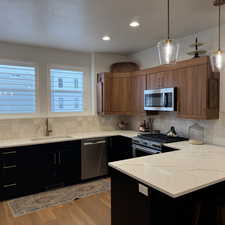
<point>144,149</point>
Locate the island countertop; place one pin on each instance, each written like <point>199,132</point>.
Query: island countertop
<point>179,172</point>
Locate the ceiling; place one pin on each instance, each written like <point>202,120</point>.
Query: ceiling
<point>80,24</point>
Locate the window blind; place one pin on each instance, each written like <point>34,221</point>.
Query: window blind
<point>17,89</point>
<point>66,90</point>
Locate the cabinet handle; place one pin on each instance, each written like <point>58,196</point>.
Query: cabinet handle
<point>7,153</point>
<point>9,185</point>
<point>59,158</point>
<point>55,160</point>
<point>9,167</point>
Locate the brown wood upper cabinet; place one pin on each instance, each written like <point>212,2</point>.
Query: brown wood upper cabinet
<point>197,89</point>
<point>104,81</point>
<point>138,85</point>
<point>114,93</point>
<point>121,93</point>
<point>198,92</point>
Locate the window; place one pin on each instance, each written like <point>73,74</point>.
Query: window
<point>67,90</point>
<point>17,89</point>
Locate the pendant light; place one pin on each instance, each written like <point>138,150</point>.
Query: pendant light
<point>218,57</point>
<point>168,49</point>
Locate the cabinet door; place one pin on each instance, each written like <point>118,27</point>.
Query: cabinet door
<point>192,93</point>
<point>138,85</point>
<point>69,161</point>
<point>154,81</point>
<point>33,169</point>
<point>121,94</point>
<point>104,93</point>
<point>129,206</point>
<point>119,148</point>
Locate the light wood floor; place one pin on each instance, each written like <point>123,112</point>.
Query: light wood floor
<point>94,210</point>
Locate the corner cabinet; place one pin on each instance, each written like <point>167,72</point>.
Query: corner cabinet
<point>121,93</point>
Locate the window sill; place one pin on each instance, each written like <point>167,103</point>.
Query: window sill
<point>50,115</point>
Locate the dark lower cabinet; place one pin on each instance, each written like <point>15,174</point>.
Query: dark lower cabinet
<point>119,148</point>
<point>69,162</point>
<point>129,206</point>
<point>31,169</point>
<point>132,205</point>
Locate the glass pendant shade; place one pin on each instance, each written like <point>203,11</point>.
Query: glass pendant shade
<point>168,51</point>
<point>217,61</point>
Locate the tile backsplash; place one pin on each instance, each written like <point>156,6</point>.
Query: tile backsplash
<point>214,130</point>
<point>26,128</point>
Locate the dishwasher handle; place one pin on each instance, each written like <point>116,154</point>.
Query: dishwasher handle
<point>94,143</point>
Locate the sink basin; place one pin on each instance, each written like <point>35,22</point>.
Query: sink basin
<point>50,138</point>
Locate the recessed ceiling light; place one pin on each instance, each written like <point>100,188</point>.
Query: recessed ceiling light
<point>106,38</point>
<point>134,24</point>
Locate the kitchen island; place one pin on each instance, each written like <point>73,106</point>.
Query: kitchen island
<point>180,187</point>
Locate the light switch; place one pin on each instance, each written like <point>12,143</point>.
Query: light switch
<point>143,189</point>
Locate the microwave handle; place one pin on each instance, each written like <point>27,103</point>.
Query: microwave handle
<point>164,99</point>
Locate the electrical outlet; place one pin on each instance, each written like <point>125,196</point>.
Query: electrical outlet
<point>143,189</point>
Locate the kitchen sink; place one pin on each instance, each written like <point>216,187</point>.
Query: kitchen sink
<point>49,138</point>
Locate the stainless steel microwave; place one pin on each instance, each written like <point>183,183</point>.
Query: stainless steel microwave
<point>160,99</point>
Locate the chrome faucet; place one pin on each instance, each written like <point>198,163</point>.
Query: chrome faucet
<point>47,130</point>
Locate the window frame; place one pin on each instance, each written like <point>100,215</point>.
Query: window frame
<point>37,90</point>
<point>86,85</point>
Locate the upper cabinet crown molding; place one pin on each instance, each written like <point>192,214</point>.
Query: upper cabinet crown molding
<point>179,65</point>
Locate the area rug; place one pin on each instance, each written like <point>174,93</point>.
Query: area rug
<point>31,203</point>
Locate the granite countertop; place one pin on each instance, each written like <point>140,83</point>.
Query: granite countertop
<point>177,173</point>
<point>77,136</point>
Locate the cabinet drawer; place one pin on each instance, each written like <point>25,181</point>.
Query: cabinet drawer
<point>8,158</point>
<point>9,175</point>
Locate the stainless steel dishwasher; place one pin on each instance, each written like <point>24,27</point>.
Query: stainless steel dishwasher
<point>94,158</point>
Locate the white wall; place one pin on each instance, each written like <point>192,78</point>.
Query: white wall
<point>214,130</point>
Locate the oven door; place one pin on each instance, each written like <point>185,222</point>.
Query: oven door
<point>160,99</point>
<point>139,151</point>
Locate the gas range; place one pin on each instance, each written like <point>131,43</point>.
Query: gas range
<point>148,144</point>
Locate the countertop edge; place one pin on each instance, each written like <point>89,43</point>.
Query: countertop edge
<point>80,136</point>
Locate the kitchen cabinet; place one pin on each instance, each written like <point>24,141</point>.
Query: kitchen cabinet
<point>197,87</point>
<point>113,93</point>
<point>121,93</point>
<point>31,169</point>
<point>165,79</point>
<point>138,85</point>
<point>104,87</point>
<point>128,205</point>
<point>198,93</point>
<point>119,148</point>
<point>133,202</point>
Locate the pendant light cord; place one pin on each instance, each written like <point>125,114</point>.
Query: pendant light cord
<point>219,23</point>
<point>168,18</point>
